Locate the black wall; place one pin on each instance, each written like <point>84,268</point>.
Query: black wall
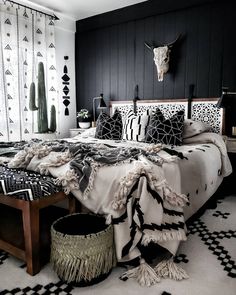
<point>111,57</point>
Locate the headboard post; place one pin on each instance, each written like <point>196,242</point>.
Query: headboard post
<point>190,97</point>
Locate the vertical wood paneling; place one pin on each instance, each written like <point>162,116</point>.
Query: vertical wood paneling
<point>216,52</point>
<point>169,36</point>
<point>191,44</point>
<point>148,58</point>
<point>122,59</point>
<point>90,65</point>
<point>229,60</point>
<point>114,59</point>
<point>140,53</point>
<point>98,48</point>
<point>106,74</point>
<point>203,65</point>
<point>158,89</point>
<point>130,64</point>
<point>179,55</point>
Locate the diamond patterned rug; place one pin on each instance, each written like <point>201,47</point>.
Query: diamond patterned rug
<point>208,256</point>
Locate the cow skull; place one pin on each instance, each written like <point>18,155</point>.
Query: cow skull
<point>162,57</point>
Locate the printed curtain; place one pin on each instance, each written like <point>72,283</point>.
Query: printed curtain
<point>26,39</point>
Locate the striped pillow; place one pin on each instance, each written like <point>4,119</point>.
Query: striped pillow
<point>135,125</point>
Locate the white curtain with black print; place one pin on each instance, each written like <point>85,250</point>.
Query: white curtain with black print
<point>26,38</point>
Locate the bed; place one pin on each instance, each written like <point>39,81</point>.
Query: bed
<point>147,190</point>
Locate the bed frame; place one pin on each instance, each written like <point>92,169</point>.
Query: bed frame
<point>201,109</point>
<point>30,212</point>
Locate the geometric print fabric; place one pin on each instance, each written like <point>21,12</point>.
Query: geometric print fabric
<point>166,131</point>
<point>26,185</point>
<point>109,127</point>
<point>135,125</point>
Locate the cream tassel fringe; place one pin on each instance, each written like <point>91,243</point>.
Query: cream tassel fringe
<point>169,269</point>
<point>144,274</point>
<point>60,160</point>
<point>23,158</point>
<point>69,181</point>
<point>173,198</point>
<point>164,236</point>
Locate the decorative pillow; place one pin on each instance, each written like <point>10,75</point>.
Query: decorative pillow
<point>167,131</point>
<point>135,125</point>
<point>192,128</point>
<point>90,132</point>
<point>109,127</point>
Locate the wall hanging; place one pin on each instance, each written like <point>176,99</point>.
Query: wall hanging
<point>66,90</point>
<point>162,57</point>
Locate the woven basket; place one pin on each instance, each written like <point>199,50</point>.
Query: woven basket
<point>82,248</point>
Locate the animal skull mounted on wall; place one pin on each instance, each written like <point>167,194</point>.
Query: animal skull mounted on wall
<point>162,57</point>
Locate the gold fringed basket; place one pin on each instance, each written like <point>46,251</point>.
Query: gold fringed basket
<point>82,248</point>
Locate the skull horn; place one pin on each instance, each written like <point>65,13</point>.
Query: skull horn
<point>151,47</point>
<point>172,43</point>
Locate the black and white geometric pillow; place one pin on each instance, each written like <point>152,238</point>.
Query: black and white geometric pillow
<point>109,127</point>
<point>166,131</point>
<point>135,126</point>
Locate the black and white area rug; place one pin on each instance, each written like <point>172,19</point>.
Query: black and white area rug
<point>208,256</point>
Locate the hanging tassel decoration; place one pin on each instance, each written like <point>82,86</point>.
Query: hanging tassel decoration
<point>144,274</point>
<point>169,269</point>
<point>66,112</point>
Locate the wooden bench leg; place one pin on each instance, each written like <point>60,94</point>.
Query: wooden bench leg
<point>30,215</point>
<point>74,205</point>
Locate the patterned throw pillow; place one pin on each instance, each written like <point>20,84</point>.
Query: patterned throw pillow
<point>167,131</point>
<point>135,126</point>
<point>109,127</point>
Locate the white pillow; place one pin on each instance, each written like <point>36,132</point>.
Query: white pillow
<point>90,132</point>
<point>192,128</point>
<point>135,126</point>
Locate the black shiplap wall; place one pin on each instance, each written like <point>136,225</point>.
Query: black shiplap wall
<point>113,59</point>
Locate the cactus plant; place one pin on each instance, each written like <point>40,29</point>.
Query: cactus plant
<point>42,103</point>
<point>32,105</point>
<point>53,123</point>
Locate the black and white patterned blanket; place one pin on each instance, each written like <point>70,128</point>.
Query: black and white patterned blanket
<point>137,188</point>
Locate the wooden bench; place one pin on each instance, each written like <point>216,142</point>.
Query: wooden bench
<point>30,212</point>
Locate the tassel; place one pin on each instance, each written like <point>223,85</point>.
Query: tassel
<point>143,273</point>
<point>66,112</point>
<point>169,269</point>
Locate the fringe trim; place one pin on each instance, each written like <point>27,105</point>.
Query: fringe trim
<point>144,274</point>
<point>173,198</point>
<point>69,181</point>
<point>23,158</point>
<point>179,235</point>
<point>158,184</point>
<point>59,161</point>
<point>94,166</point>
<point>155,148</point>
<point>75,269</point>
<point>128,181</point>
<point>169,269</point>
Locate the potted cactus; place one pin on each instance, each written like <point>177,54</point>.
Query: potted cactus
<point>84,118</point>
<point>42,104</point>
